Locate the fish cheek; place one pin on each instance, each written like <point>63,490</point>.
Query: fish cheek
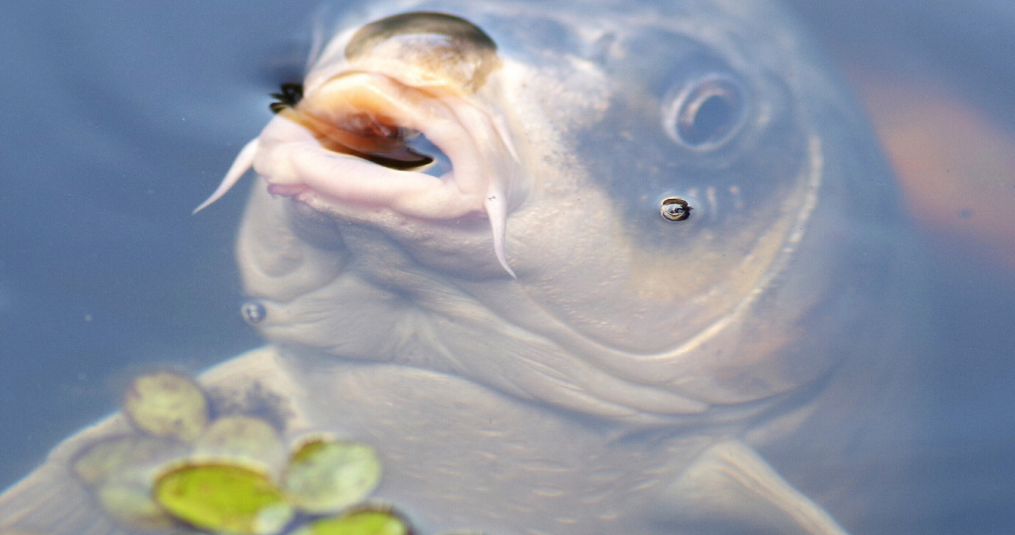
<point>688,273</point>
<point>733,185</point>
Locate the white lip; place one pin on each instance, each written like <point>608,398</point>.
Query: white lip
<point>485,164</point>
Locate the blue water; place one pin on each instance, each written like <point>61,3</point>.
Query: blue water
<point>966,458</point>
<point>120,117</point>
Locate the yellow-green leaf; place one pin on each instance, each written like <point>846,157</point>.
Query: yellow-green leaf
<point>365,522</point>
<point>223,498</point>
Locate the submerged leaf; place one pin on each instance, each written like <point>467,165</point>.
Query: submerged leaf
<point>120,454</point>
<point>121,470</point>
<point>129,502</point>
<point>245,438</point>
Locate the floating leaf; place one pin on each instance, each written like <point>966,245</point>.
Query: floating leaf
<point>167,404</point>
<point>326,476</point>
<point>246,438</point>
<point>363,522</point>
<point>225,498</point>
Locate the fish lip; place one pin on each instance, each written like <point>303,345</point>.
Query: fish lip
<point>294,159</point>
<point>487,175</point>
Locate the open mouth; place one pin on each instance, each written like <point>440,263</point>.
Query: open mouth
<point>348,142</point>
<point>371,125</point>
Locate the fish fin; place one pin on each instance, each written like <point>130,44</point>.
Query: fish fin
<point>496,210</point>
<point>243,162</point>
<point>730,488</point>
<point>51,500</point>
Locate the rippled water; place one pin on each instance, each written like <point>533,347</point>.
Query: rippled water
<point>120,117</point>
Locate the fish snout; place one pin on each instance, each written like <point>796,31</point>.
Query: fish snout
<point>405,115</point>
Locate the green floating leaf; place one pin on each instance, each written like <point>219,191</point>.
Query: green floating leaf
<point>326,476</point>
<point>225,498</point>
<point>243,437</point>
<point>167,404</point>
<point>364,522</point>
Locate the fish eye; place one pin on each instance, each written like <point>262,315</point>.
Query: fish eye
<point>705,112</point>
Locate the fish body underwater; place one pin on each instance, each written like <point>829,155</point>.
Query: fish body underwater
<point>572,267</point>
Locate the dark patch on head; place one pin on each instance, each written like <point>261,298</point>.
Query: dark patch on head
<point>704,125</point>
<point>254,400</point>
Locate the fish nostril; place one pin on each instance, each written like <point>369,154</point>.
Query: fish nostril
<point>289,95</point>
<point>433,48</point>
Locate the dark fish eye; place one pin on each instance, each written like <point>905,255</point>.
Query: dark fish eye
<point>705,113</point>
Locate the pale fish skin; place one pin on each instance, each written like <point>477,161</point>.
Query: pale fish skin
<point>529,345</point>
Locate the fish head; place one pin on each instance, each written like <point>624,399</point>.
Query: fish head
<point>642,212</point>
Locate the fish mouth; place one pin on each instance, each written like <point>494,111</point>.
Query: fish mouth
<point>348,143</point>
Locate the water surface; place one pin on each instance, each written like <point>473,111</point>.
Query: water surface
<point>120,117</point>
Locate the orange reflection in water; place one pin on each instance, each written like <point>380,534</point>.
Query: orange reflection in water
<point>956,165</point>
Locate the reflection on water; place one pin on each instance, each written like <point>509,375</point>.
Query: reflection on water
<point>115,127</point>
<point>937,80</point>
